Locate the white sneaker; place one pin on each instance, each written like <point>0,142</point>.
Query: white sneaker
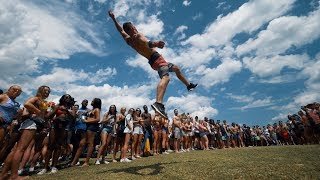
<point>38,164</point>
<point>97,162</point>
<point>170,151</point>
<point>114,160</point>
<point>133,158</point>
<point>105,162</point>
<point>54,170</point>
<point>121,160</point>
<point>165,152</point>
<point>127,160</point>
<point>138,156</point>
<point>31,169</point>
<point>78,163</point>
<point>20,171</point>
<point>43,171</point>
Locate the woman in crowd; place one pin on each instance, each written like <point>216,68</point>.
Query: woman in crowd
<point>156,121</point>
<point>108,129</point>
<point>119,136</point>
<point>35,110</point>
<point>137,134</point>
<point>128,131</point>
<point>92,120</point>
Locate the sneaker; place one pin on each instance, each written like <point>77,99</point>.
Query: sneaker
<point>78,163</point>
<point>127,160</point>
<point>43,171</point>
<point>138,156</point>
<point>97,162</point>
<point>38,164</point>
<point>31,169</point>
<point>159,108</point>
<point>191,86</point>
<point>54,170</point>
<point>105,162</point>
<point>114,160</point>
<point>121,160</point>
<point>170,150</point>
<point>133,158</point>
<point>165,152</point>
<point>20,171</point>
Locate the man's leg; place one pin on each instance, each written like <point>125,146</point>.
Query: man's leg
<point>182,78</point>
<point>179,74</point>
<point>161,89</point>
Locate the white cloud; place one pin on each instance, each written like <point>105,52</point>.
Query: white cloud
<point>283,33</point>
<point>186,3</point>
<point>180,31</point>
<point>32,31</point>
<point>220,74</point>
<point>264,66</point>
<point>248,18</point>
<point>194,104</point>
<point>197,16</point>
<point>151,26</point>
<point>241,98</point>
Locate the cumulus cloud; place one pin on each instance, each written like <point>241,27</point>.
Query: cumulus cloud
<point>283,33</point>
<point>220,74</point>
<point>32,32</point>
<point>250,101</point>
<point>271,66</point>
<point>194,104</point>
<point>248,18</point>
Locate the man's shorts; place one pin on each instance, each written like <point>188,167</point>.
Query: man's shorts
<point>177,133</point>
<point>164,70</point>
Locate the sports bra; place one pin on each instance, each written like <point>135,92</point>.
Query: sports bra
<point>9,109</point>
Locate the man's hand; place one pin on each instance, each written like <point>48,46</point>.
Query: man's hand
<point>111,14</point>
<point>160,44</point>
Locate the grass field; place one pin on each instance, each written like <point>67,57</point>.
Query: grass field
<point>286,162</point>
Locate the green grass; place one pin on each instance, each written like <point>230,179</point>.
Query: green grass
<point>286,162</point>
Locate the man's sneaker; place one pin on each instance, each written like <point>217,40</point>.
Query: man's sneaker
<point>54,170</point>
<point>97,162</point>
<point>191,86</point>
<point>159,108</point>
<point>43,171</point>
<point>20,171</point>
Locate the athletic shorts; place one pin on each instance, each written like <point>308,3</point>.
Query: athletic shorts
<point>177,133</point>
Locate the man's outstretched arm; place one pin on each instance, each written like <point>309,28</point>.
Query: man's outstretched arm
<point>118,26</point>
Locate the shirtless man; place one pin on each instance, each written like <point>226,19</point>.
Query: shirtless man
<point>146,116</point>
<point>177,131</point>
<point>146,48</point>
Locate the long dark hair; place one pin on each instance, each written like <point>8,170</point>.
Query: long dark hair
<point>63,101</point>
<point>96,103</point>
<point>115,110</point>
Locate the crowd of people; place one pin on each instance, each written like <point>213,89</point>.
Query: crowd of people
<point>42,135</point>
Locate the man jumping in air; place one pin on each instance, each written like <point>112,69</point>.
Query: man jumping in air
<point>146,48</point>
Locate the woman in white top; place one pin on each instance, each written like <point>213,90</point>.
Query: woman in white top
<point>128,131</point>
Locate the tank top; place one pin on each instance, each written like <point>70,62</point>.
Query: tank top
<point>9,110</point>
<point>111,121</point>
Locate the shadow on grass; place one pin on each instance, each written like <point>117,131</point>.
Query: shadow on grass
<point>154,169</point>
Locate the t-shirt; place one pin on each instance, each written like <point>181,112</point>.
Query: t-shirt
<point>79,124</point>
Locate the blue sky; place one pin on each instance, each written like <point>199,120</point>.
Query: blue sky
<point>255,61</point>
